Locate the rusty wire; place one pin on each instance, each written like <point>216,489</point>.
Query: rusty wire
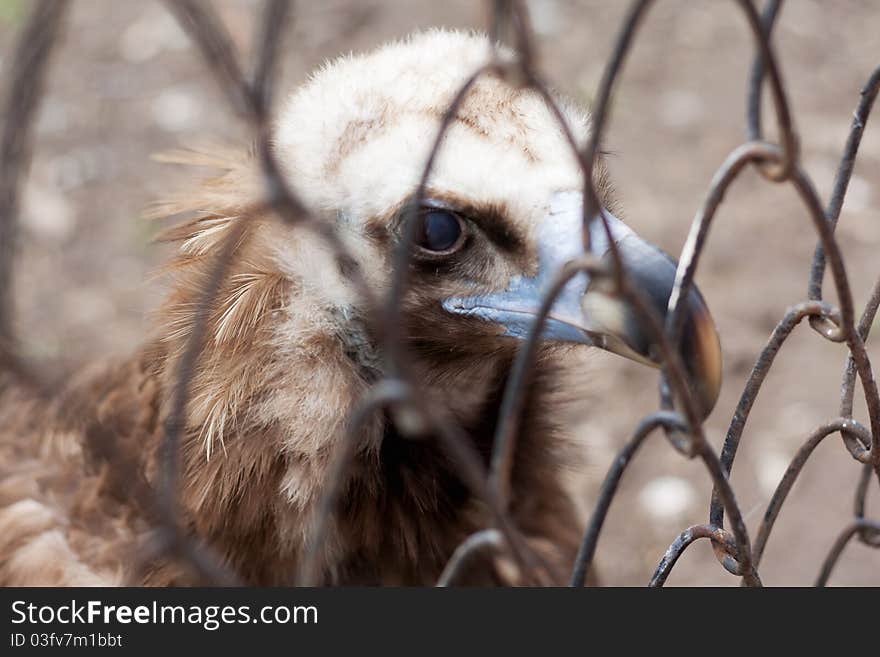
<point>399,394</point>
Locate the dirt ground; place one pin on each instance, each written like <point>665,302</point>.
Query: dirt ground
<point>126,84</point>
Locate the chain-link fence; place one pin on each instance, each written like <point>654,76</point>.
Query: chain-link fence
<point>679,418</point>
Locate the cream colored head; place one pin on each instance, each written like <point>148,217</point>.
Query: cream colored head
<point>355,138</point>
<point>354,141</point>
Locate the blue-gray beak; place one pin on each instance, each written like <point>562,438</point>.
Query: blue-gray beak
<point>586,312</point>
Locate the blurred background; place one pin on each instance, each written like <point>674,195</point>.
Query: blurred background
<point>126,83</point>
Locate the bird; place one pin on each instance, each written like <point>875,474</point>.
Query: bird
<point>289,350</point>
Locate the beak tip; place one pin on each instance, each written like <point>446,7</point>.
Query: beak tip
<point>701,351</point>
<point>711,379</point>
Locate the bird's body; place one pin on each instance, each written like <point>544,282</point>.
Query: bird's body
<point>289,353</point>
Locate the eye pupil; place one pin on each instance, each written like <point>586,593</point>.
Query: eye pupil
<point>439,230</point>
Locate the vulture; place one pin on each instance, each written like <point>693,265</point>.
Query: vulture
<point>289,351</point>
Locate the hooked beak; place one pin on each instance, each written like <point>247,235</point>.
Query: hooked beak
<point>587,311</point>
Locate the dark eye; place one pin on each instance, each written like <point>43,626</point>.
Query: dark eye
<point>439,231</point>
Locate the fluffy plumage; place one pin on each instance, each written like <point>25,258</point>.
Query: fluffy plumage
<point>289,354</point>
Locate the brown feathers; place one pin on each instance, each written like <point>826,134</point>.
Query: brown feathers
<point>289,355</point>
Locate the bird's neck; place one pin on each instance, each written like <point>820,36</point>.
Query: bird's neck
<point>404,507</point>
<point>269,404</point>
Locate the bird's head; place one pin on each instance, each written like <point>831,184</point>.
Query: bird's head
<point>501,214</point>
<point>292,344</point>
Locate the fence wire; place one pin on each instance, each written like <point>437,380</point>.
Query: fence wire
<point>250,96</point>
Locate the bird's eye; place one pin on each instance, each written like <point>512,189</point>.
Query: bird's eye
<point>439,231</point>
